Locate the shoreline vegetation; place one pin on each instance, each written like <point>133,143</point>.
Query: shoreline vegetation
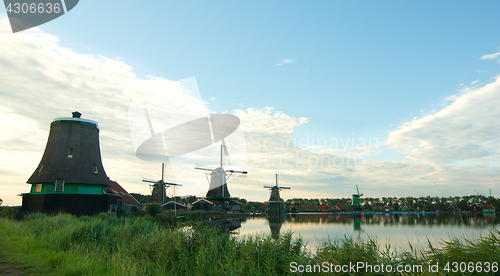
<point>158,245</point>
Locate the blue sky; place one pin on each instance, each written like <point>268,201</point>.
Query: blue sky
<point>352,69</point>
<point>351,61</point>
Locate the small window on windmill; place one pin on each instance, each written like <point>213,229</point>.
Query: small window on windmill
<point>38,188</point>
<point>95,169</point>
<point>70,153</point>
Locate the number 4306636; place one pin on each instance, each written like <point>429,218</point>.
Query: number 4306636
<point>34,8</point>
<point>471,267</point>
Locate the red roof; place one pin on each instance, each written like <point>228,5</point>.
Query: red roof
<point>340,206</point>
<point>488,206</point>
<point>323,207</point>
<point>306,207</point>
<point>126,197</point>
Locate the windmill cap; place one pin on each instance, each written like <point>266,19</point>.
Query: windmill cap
<point>75,119</point>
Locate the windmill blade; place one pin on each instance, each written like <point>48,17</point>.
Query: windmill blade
<point>269,187</point>
<point>285,188</point>
<point>150,181</point>
<point>173,184</point>
<point>224,147</point>
<point>203,169</point>
<point>233,171</point>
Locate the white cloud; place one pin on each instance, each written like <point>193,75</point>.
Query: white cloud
<point>491,56</point>
<point>285,61</point>
<point>467,129</point>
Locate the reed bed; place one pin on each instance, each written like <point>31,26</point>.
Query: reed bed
<point>109,245</point>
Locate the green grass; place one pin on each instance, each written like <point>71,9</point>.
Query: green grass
<point>108,245</point>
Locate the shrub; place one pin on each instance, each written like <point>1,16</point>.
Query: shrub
<point>8,212</point>
<point>154,209</point>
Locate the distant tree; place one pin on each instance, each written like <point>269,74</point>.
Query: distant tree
<point>384,200</point>
<point>463,204</point>
<point>395,206</point>
<point>410,201</point>
<point>428,206</point>
<point>367,207</point>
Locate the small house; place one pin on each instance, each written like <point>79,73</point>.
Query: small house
<point>405,208</point>
<point>488,208</point>
<point>171,205</point>
<point>127,202</point>
<point>323,207</point>
<point>475,208</point>
<point>339,207</point>
<point>207,204</point>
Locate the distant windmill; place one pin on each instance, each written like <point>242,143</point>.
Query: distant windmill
<point>356,203</point>
<point>218,180</point>
<point>159,188</point>
<point>276,203</point>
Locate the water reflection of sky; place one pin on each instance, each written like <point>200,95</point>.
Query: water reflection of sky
<point>396,231</point>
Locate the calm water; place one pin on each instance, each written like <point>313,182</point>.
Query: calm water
<point>394,230</point>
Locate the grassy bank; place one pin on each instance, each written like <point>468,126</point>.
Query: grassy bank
<point>107,245</point>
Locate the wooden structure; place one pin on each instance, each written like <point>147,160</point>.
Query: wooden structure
<point>488,208</point>
<point>276,204</point>
<point>218,196</point>
<point>159,188</point>
<point>172,206</point>
<point>70,177</point>
<point>339,207</point>
<point>210,204</point>
<point>476,208</point>
<point>356,203</point>
<point>387,208</point>
<point>128,202</point>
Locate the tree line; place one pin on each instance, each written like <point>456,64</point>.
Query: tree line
<point>427,203</point>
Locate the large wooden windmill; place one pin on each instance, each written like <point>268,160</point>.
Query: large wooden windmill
<point>218,191</point>
<point>70,176</point>
<point>276,203</point>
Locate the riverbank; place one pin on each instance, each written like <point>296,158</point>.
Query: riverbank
<point>108,245</point>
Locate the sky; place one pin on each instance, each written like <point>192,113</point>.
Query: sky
<point>399,98</point>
